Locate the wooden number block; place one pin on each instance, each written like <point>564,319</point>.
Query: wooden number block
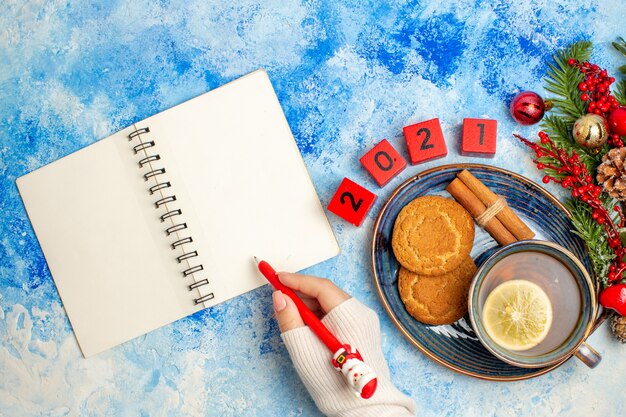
<point>479,137</point>
<point>351,202</point>
<point>383,162</point>
<point>425,141</point>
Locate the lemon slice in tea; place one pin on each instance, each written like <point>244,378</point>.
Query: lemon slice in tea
<point>517,315</point>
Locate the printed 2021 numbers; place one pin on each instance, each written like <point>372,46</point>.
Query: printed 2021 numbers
<point>425,142</point>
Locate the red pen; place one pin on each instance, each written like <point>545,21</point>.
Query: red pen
<point>346,359</point>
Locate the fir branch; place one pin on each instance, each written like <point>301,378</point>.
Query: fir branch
<point>620,87</point>
<point>580,51</point>
<point>562,80</point>
<point>596,225</point>
<point>602,229</point>
<point>620,92</point>
<point>620,45</point>
<point>560,131</point>
<point>593,234</point>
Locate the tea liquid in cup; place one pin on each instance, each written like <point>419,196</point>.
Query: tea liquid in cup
<point>555,279</point>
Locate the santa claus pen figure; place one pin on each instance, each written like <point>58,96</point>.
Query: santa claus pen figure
<point>346,359</point>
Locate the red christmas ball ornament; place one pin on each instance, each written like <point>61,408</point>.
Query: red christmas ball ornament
<point>527,108</point>
<point>614,297</point>
<point>617,121</point>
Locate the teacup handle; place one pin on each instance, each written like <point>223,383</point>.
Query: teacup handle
<point>588,355</point>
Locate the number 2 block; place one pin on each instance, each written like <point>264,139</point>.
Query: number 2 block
<point>479,137</point>
<point>425,141</point>
<point>351,202</point>
<point>383,162</point>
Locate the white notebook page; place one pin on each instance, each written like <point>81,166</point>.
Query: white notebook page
<point>240,182</point>
<point>110,262</point>
<point>244,179</point>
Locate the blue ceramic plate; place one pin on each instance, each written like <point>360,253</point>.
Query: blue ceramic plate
<point>456,346</point>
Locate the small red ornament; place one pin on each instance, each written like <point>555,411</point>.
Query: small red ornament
<point>614,297</point>
<point>527,108</point>
<point>617,121</point>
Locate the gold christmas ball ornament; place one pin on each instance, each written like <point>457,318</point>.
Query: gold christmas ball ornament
<point>591,131</point>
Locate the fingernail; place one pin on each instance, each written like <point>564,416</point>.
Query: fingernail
<point>279,301</point>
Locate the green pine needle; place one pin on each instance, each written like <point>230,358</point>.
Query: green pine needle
<point>620,45</point>
<point>560,131</point>
<point>620,87</point>
<point>562,81</point>
<point>620,92</point>
<point>593,234</point>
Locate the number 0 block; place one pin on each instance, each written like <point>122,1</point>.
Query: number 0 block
<point>383,162</point>
<point>425,141</point>
<point>351,202</point>
<point>479,137</point>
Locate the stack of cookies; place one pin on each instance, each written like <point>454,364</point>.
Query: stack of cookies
<point>432,239</point>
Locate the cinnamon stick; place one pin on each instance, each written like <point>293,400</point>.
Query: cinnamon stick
<point>506,216</point>
<point>475,207</point>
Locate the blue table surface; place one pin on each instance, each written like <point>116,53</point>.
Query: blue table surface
<point>348,74</point>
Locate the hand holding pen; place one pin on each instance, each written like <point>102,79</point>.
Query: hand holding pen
<point>319,296</point>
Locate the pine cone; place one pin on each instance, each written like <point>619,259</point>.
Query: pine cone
<point>612,173</point>
<point>618,327</point>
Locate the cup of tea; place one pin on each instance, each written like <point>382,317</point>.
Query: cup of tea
<point>533,304</point>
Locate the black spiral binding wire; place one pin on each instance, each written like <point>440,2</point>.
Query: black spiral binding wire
<point>176,227</point>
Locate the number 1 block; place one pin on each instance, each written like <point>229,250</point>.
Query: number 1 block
<point>351,202</point>
<point>425,141</point>
<point>383,162</point>
<point>479,137</point>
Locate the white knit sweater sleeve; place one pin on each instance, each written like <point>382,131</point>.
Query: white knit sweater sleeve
<point>355,324</point>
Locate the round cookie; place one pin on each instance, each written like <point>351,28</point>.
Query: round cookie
<point>432,235</point>
<point>437,299</point>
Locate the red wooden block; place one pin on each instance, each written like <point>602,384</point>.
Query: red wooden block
<point>383,162</point>
<point>425,141</point>
<point>351,202</point>
<point>479,137</point>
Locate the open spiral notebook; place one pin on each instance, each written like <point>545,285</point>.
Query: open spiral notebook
<point>162,218</point>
